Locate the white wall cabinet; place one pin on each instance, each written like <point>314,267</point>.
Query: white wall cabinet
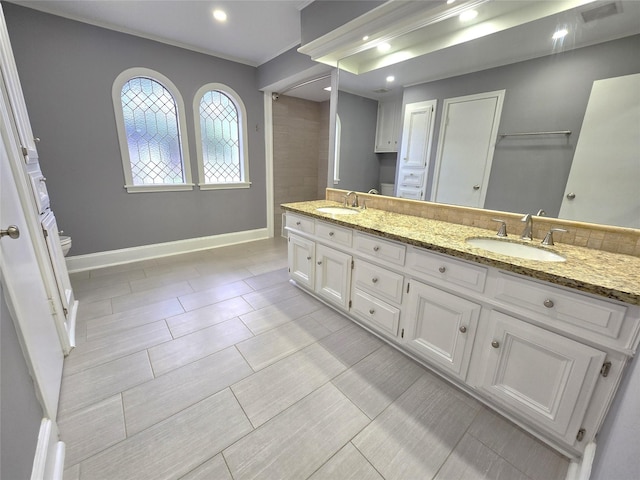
<point>388,126</point>
<point>548,358</point>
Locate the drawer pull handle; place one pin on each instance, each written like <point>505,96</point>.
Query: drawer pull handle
<point>442,269</point>
<point>463,329</point>
<point>319,262</point>
<point>298,223</point>
<point>371,311</point>
<point>331,234</point>
<point>548,303</point>
<point>374,280</point>
<point>495,344</point>
<point>376,248</point>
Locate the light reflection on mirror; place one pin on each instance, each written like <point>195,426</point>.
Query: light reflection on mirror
<point>546,90</point>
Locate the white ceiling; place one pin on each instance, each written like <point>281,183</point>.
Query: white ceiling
<point>255,32</point>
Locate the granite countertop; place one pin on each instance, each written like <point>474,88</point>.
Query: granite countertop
<point>598,272</point>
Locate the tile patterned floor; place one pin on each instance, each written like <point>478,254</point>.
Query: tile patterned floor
<point>212,366</point>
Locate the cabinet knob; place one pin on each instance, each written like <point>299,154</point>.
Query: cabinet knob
<point>43,179</point>
<point>331,234</point>
<point>476,187</point>
<point>319,262</point>
<point>571,196</point>
<point>371,311</point>
<point>548,303</point>
<point>442,269</point>
<point>374,280</point>
<point>308,258</point>
<point>495,344</point>
<point>297,223</point>
<point>376,248</point>
<point>463,329</point>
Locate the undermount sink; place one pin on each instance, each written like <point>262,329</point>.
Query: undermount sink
<point>338,210</point>
<point>503,247</point>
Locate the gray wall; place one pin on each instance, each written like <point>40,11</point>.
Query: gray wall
<point>67,71</point>
<point>20,412</point>
<point>543,94</point>
<point>359,166</point>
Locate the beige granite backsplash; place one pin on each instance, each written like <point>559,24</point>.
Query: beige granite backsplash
<point>589,235</point>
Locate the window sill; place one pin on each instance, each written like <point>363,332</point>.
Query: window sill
<point>223,186</point>
<point>159,188</point>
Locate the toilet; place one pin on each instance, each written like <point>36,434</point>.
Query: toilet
<point>65,243</point>
<point>387,189</point>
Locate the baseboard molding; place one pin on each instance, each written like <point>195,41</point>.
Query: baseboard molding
<point>79,263</point>
<point>48,461</point>
<point>581,469</point>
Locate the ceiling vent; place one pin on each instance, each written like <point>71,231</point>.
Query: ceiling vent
<point>382,90</point>
<point>601,11</point>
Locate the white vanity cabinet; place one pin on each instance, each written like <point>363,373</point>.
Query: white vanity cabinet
<point>333,275</point>
<point>301,259</point>
<point>440,327</point>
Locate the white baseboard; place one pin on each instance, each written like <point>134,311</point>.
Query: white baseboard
<point>48,461</point>
<point>581,469</point>
<point>79,263</point>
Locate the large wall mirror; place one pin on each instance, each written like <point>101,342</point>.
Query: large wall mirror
<point>567,127</point>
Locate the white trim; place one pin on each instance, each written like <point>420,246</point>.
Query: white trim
<point>223,186</point>
<point>242,126</point>
<point>580,469</point>
<point>268,160</point>
<point>91,261</point>
<point>48,460</point>
<point>116,91</point>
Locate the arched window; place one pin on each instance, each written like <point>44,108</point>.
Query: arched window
<point>221,134</point>
<point>149,118</point>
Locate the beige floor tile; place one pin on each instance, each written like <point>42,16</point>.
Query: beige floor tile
<point>89,310</point>
<point>275,388</point>
<point>297,442</point>
<point>261,268</point>
<point>107,280</point>
<point>102,293</point>
<point>376,381</point>
<point>347,464</point>
<point>351,344</point>
<point>197,345</point>
<point>214,469</point>
<point>283,312</point>
<point>117,322</point>
<point>213,274</point>
<point>163,275</point>
<point>274,294</point>
<point>174,447</point>
<point>155,400</point>
<point>268,279</point>
<point>414,436</point>
<point>138,299</point>
<point>94,384</point>
<point>111,347</point>
<point>200,318</point>
<point>472,459</point>
<point>273,345</point>
<point>525,452</point>
<point>72,473</point>
<point>125,267</point>
<point>210,296</point>
<point>78,430</point>
<point>330,319</point>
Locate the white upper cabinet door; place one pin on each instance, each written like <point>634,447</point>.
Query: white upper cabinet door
<point>388,126</point>
<point>543,376</point>
<point>466,144</point>
<point>440,327</point>
<point>301,256</point>
<point>611,129</point>
<point>333,275</point>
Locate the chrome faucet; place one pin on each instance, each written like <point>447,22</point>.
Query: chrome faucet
<point>354,203</point>
<point>527,233</point>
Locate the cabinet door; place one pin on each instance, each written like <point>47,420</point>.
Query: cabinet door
<point>387,127</point>
<point>333,275</point>
<point>540,374</point>
<point>301,260</point>
<point>440,327</point>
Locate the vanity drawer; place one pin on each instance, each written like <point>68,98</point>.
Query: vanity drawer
<point>446,270</point>
<point>378,281</point>
<point>408,178</point>
<point>334,234</point>
<point>375,312</point>
<point>381,249</point>
<point>579,314</point>
<point>300,223</point>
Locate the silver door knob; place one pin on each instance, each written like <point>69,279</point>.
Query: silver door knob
<point>463,329</point>
<point>571,196</point>
<point>12,232</point>
<point>495,344</point>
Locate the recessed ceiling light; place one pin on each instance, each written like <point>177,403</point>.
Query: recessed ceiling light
<point>384,47</point>
<point>390,78</point>
<point>560,33</point>
<point>468,15</point>
<point>220,15</point>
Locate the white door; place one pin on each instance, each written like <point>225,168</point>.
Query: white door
<point>25,293</point>
<point>466,143</point>
<point>333,275</point>
<point>544,376</point>
<point>301,257</point>
<point>610,129</point>
<point>440,327</point>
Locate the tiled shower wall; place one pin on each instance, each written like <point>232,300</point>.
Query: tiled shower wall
<point>300,152</point>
